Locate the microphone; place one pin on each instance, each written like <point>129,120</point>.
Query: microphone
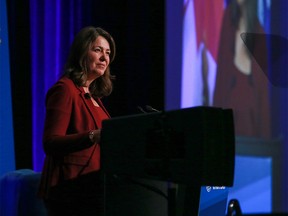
<point>151,109</point>
<point>87,95</point>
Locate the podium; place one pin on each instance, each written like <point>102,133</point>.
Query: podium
<point>193,146</point>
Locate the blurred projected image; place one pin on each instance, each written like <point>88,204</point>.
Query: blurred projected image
<point>240,82</point>
<point>252,186</point>
<point>218,69</point>
<point>201,32</point>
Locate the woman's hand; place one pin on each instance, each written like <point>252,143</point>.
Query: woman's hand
<point>95,135</point>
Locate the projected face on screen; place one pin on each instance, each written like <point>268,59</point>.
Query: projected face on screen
<point>219,70</point>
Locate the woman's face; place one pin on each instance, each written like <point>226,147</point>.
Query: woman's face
<point>98,57</point>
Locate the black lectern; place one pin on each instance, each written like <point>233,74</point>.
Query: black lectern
<point>193,146</point>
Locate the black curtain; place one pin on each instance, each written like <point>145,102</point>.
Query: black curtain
<point>19,48</point>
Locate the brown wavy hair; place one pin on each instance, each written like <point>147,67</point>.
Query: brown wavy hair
<point>76,65</point>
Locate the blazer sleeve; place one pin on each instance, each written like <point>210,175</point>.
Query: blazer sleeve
<point>224,59</point>
<point>59,107</point>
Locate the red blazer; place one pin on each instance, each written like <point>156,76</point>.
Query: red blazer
<point>69,151</point>
<point>249,98</point>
